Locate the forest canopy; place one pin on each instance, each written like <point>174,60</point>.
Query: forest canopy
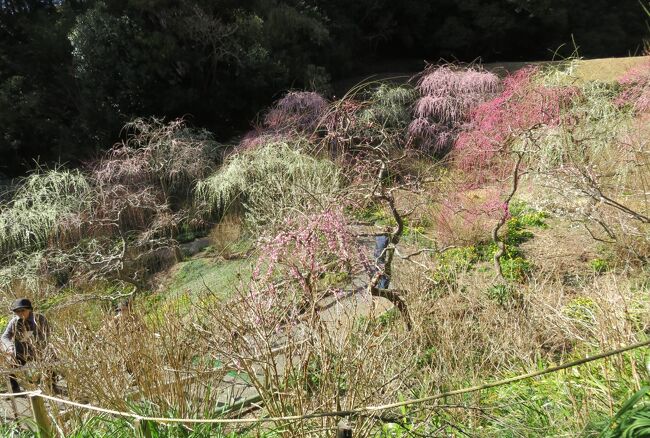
<point>72,72</point>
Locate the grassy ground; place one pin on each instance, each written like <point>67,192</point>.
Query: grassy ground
<point>196,275</point>
<point>607,69</point>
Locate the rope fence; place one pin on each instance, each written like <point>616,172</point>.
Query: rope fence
<point>342,413</point>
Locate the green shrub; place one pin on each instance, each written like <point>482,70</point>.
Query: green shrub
<point>632,420</point>
<point>502,294</point>
<point>454,261</point>
<point>375,214</point>
<point>599,266</point>
<point>389,317</point>
<point>427,356</point>
<point>523,217</point>
<point>580,309</point>
<point>515,268</point>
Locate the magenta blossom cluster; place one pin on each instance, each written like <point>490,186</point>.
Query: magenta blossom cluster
<point>447,96</point>
<point>523,105</point>
<point>305,246</point>
<point>257,138</point>
<point>635,85</point>
<point>289,273</point>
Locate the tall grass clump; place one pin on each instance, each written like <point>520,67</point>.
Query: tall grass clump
<point>562,74</point>
<point>447,96</point>
<point>271,183</point>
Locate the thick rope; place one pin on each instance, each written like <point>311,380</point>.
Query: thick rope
<point>348,413</point>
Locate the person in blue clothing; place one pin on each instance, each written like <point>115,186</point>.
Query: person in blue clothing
<point>24,337</point>
<point>381,244</point>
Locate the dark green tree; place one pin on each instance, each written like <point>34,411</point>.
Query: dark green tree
<point>36,88</point>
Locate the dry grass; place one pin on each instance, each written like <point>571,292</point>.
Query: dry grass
<point>471,338</point>
<point>349,355</point>
<point>225,235</point>
<point>562,251</point>
<point>133,363</point>
<point>607,69</point>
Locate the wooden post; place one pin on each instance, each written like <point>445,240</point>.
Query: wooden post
<point>41,418</point>
<point>344,430</point>
<point>12,399</point>
<point>142,428</point>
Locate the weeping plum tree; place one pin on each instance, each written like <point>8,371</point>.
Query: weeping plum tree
<point>502,132</point>
<point>521,107</point>
<point>297,111</point>
<point>600,178</point>
<point>167,156</point>
<point>41,201</point>
<point>636,88</point>
<point>117,221</point>
<point>447,96</point>
<point>310,258</point>
<point>300,255</point>
<point>29,223</point>
<point>384,116</point>
<point>271,183</point>
<point>142,196</point>
<point>369,120</point>
<point>295,116</point>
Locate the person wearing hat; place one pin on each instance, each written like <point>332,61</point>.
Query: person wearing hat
<point>25,336</point>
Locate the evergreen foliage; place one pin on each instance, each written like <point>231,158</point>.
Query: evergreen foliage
<point>73,72</point>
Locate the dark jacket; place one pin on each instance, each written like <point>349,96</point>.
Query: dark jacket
<point>24,339</point>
